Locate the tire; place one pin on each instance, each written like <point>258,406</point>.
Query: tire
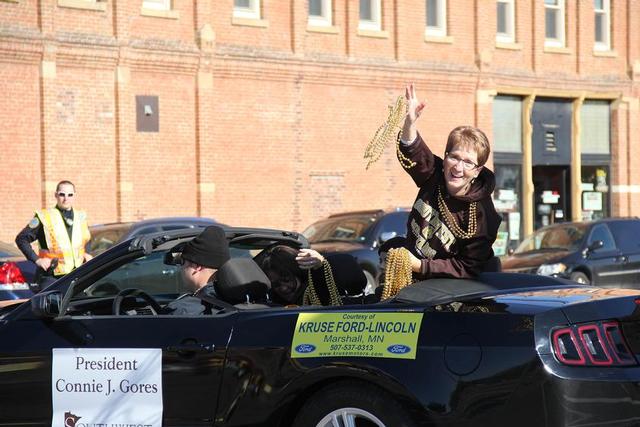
<point>580,277</point>
<point>352,404</point>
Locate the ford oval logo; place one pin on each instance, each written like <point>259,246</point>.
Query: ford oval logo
<point>305,348</point>
<point>399,349</point>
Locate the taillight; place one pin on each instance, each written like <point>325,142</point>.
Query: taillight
<point>592,344</point>
<point>10,273</point>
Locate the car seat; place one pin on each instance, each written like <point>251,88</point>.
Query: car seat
<point>241,282</point>
<point>348,276</point>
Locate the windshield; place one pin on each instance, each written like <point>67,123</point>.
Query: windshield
<point>349,228</point>
<point>7,250</point>
<point>102,239</point>
<point>567,238</point>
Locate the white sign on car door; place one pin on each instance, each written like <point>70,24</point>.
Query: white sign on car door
<point>106,386</point>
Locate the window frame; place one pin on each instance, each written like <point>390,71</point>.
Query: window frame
<point>440,29</point>
<point>162,5</point>
<point>560,40</point>
<point>252,12</point>
<point>326,17</point>
<point>374,24</point>
<point>606,12</point>
<point>510,35</point>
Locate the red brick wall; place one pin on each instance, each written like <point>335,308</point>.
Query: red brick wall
<point>267,125</point>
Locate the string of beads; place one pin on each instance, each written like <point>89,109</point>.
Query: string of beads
<point>398,272</point>
<point>451,221</point>
<point>310,296</point>
<point>385,134</point>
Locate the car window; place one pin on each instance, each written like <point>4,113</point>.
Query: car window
<point>348,228</point>
<point>148,273</point>
<point>601,232</point>
<point>622,230</point>
<point>7,250</point>
<point>394,222</point>
<point>101,240</point>
<point>170,227</point>
<point>568,238</point>
<point>145,230</point>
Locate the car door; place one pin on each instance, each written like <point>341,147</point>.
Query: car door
<point>192,355</point>
<point>605,262</point>
<point>623,232</point>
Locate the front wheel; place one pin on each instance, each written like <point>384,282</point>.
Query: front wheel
<point>352,405</point>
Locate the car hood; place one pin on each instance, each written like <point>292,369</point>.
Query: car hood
<point>337,246</point>
<point>532,259</point>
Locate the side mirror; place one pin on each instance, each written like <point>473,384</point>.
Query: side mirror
<point>46,305</point>
<point>386,236</point>
<point>595,245</point>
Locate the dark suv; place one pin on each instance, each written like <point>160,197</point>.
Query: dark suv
<point>602,253</point>
<point>359,234</point>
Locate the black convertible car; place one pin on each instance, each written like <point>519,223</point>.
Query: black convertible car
<point>507,349</point>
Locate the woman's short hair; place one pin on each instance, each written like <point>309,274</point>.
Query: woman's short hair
<point>469,137</point>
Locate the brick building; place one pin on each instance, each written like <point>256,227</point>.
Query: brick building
<point>257,112</point>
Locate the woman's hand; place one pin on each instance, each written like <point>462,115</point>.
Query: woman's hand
<point>308,259</point>
<point>416,264</point>
<point>414,109</point>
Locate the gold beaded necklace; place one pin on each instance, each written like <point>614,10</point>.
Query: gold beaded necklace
<point>397,273</point>
<point>451,222</point>
<point>310,296</point>
<point>386,133</point>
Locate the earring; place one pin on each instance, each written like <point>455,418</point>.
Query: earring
<point>473,180</point>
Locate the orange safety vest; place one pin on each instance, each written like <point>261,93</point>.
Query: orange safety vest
<point>69,252</point>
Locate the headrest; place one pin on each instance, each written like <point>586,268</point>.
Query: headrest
<point>347,273</point>
<point>239,278</point>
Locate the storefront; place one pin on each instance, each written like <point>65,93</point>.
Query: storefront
<point>552,161</point>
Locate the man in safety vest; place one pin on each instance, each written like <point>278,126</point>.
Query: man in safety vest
<point>61,232</point>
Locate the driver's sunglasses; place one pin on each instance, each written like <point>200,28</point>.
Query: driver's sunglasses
<point>60,194</point>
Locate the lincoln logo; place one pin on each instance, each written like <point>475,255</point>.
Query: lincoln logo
<point>70,420</point>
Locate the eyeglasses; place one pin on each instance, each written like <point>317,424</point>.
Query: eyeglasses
<point>466,164</point>
<point>65,195</point>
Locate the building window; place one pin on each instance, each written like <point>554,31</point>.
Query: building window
<point>436,18</point>
<point>156,4</point>
<point>507,152</point>
<point>505,21</point>
<point>246,9</point>
<point>554,23</point>
<point>602,9</point>
<point>320,13</point>
<point>595,147</point>
<point>370,15</point>
<point>595,119</point>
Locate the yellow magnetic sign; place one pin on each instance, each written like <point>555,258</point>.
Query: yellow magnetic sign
<point>387,335</point>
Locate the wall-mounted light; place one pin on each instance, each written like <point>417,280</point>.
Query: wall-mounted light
<point>147,113</point>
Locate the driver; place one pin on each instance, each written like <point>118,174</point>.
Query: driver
<point>201,258</point>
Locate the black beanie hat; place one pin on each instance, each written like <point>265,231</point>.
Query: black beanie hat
<point>209,249</point>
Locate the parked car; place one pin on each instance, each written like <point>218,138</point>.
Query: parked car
<point>104,236</point>
<point>602,253</point>
<point>358,233</point>
<point>16,275</point>
<point>521,349</point>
